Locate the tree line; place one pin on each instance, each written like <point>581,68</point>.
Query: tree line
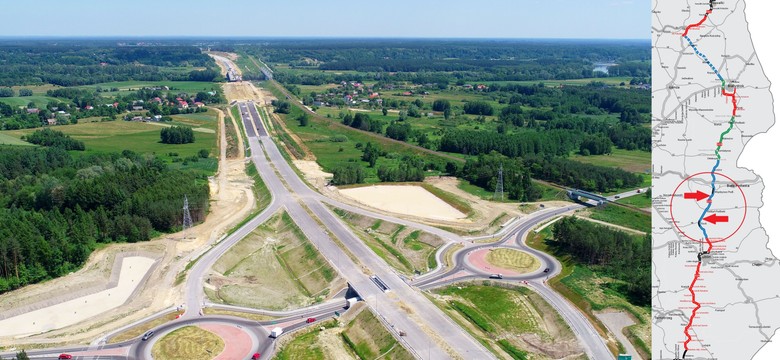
<point>49,137</point>
<point>56,208</point>
<point>619,255</point>
<point>177,135</point>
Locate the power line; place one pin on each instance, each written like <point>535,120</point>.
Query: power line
<point>187,222</point>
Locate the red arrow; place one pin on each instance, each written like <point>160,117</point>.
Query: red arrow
<point>698,195</point>
<point>716,219</point>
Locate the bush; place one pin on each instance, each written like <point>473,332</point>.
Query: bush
<point>203,153</point>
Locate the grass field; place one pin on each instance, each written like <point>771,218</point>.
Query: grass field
<point>275,267</point>
<point>405,249</point>
<point>639,201</point>
<point>314,344</point>
<point>118,135</point>
<point>187,343</point>
<point>22,101</point>
<point>509,321</point>
<point>510,259</point>
<point>6,139</point>
<point>630,160</point>
<point>370,340</point>
<point>619,215</point>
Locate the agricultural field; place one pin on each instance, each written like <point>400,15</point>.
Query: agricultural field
<point>511,322</point>
<point>644,201</point>
<point>144,137</point>
<point>275,268</point>
<point>637,161</point>
<point>407,250</point>
<point>186,343</point>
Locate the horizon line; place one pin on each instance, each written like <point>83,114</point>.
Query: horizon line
<point>292,37</point>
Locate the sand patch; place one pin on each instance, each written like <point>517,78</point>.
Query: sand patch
<point>408,200</point>
<point>133,270</point>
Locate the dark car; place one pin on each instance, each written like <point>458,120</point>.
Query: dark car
<point>65,356</point>
<point>310,320</point>
<point>148,335</point>
<point>547,270</point>
<point>496,276</point>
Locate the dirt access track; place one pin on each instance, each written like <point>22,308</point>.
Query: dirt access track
<point>231,200</point>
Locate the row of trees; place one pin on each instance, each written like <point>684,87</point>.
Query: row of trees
<point>622,256</point>
<point>56,208</point>
<point>75,64</point>
<point>177,135</point>
<point>49,137</point>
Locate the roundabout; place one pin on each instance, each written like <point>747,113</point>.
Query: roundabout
<point>504,261</point>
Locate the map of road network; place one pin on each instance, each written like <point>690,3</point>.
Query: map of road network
<point>716,293</point>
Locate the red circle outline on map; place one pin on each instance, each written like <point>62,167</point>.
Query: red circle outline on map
<point>671,207</point>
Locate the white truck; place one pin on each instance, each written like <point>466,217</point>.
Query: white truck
<point>276,332</point>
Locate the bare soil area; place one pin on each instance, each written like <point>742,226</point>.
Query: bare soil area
<point>275,268</point>
<point>408,200</point>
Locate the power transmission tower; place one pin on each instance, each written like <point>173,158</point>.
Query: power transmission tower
<point>187,222</point>
<point>499,195</point>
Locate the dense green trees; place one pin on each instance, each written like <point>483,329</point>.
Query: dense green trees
<point>281,106</point>
<point>6,92</point>
<point>55,208</point>
<point>348,173</point>
<point>399,131</point>
<point>620,255</point>
<point>441,105</point>
<point>303,119</point>
<point>478,108</point>
<point>483,172</point>
<point>579,175</point>
<point>177,135</point>
<point>410,168</point>
<point>49,137</point>
<point>68,63</point>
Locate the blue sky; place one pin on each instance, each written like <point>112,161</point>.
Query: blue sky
<point>604,19</point>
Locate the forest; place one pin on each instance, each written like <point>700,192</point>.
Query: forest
<point>72,63</point>
<point>437,61</point>
<point>612,252</point>
<point>56,208</point>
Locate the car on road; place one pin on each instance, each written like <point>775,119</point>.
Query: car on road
<point>496,276</point>
<point>65,356</point>
<point>148,335</point>
<point>617,196</point>
<point>547,270</point>
<point>256,356</point>
<point>310,320</point>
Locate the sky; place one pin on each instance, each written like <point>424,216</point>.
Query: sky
<point>592,19</point>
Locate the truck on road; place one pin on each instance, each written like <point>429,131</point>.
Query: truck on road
<point>276,332</point>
